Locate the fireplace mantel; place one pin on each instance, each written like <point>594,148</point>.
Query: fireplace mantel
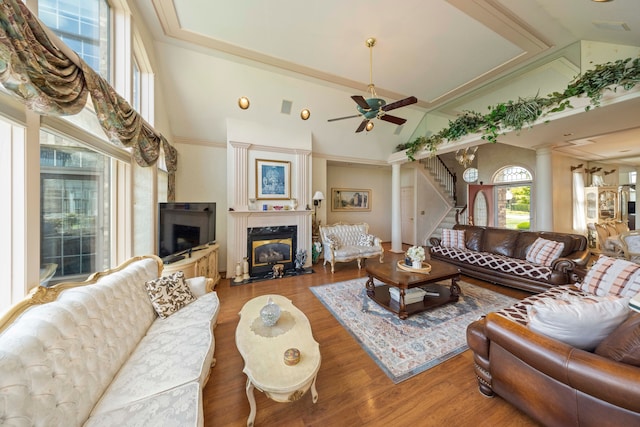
<point>241,160</point>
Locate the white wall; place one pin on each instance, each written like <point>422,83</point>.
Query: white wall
<point>376,179</point>
<point>202,177</point>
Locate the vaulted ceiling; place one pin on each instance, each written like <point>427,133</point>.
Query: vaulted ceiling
<point>287,55</point>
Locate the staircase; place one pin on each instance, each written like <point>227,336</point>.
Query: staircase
<point>446,182</point>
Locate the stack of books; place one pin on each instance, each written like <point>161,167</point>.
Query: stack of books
<point>410,295</point>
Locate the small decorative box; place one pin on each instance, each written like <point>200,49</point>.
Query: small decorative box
<point>291,356</point>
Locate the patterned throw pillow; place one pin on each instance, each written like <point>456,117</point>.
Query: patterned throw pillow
<point>365,239</point>
<point>169,294</point>
<point>612,276</point>
<point>544,252</point>
<point>453,239</point>
<point>334,241</point>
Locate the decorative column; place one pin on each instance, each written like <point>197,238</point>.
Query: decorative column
<point>238,184</point>
<point>544,190</point>
<point>303,178</point>
<point>396,219</point>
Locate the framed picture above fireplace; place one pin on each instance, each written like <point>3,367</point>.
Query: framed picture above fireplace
<point>273,179</point>
<point>350,200</point>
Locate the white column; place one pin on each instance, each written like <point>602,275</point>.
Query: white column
<point>238,185</point>
<point>543,190</point>
<point>396,220</point>
<point>303,192</point>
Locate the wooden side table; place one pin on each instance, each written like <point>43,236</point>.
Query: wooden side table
<point>263,347</point>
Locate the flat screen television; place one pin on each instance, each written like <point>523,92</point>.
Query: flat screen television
<point>185,226</point>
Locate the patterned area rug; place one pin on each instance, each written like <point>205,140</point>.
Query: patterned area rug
<point>404,348</point>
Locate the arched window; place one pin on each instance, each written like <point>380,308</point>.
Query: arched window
<point>510,174</point>
<point>513,197</point>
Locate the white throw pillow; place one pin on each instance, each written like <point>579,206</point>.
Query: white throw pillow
<point>197,285</point>
<point>453,239</point>
<point>169,294</point>
<point>612,276</point>
<point>544,252</point>
<point>579,322</point>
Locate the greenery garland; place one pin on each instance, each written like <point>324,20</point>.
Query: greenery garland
<point>514,115</point>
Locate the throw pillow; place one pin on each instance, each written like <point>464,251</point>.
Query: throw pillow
<point>579,322</point>
<point>544,252</point>
<point>197,285</point>
<point>623,344</point>
<point>334,241</point>
<point>169,294</point>
<point>612,276</point>
<point>453,239</point>
<point>365,239</point>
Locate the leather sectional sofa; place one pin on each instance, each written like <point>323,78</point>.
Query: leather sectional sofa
<point>498,255</point>
<point>555,383</point>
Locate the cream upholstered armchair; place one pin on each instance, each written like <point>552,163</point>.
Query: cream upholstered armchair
<point>631,245</point>
<point>347,242</point>
<point>609,238</point>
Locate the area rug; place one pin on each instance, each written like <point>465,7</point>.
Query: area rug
<point>404,348</point>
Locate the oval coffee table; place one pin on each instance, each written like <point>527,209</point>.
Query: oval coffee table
<point>263,347</point>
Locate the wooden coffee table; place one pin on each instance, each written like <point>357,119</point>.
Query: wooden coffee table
<point>389,273</point>
<point>263,348</point>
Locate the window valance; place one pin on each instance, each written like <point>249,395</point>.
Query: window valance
<point>50,82</point>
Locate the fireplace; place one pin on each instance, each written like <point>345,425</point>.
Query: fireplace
<point>267,246</point>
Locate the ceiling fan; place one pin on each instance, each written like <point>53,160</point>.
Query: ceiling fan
<point>374,107</point>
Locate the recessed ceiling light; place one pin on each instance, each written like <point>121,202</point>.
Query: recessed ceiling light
<point>243,102</point>
<point>305,114</point>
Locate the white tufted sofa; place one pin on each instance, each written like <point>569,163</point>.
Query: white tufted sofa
<point>344,242</point>
<point>98,355</point>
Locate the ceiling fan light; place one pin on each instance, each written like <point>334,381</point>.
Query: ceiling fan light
<point>369,126</point>
<point>305,114</point>
<point>243,102</point>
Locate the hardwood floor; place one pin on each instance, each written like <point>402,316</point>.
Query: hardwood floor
<point>352,390</point>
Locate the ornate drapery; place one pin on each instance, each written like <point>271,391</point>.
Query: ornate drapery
<point>33,69</point>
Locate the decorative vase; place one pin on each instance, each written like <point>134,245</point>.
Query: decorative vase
<point>416,264</point>
<point>245,268</point>
<point>238,277</point>
<point>294,204</point>
<point>270,313</point>
<point>407,261</point>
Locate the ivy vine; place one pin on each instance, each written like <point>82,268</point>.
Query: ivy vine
<point>514,115</point>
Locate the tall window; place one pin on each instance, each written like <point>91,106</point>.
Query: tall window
<point>513,197</point>
<point>135,101</point>
<point>74,203</point>
<point>83,25</point>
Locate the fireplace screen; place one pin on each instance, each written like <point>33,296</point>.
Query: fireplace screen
<point>271,245</point>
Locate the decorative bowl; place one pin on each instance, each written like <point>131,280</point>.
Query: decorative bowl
<point>278,208</point>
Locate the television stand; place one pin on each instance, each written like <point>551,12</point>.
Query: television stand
<point>203,262</point>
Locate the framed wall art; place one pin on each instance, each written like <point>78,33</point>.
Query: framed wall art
<point>273,179</point>
<point>350,200</point>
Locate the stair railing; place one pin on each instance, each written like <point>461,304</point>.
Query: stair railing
<point>462,216</point>
<point>441,172</point>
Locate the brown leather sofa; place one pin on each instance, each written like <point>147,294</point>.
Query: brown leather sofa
<point>498,255</point>
<point>554,383</point>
